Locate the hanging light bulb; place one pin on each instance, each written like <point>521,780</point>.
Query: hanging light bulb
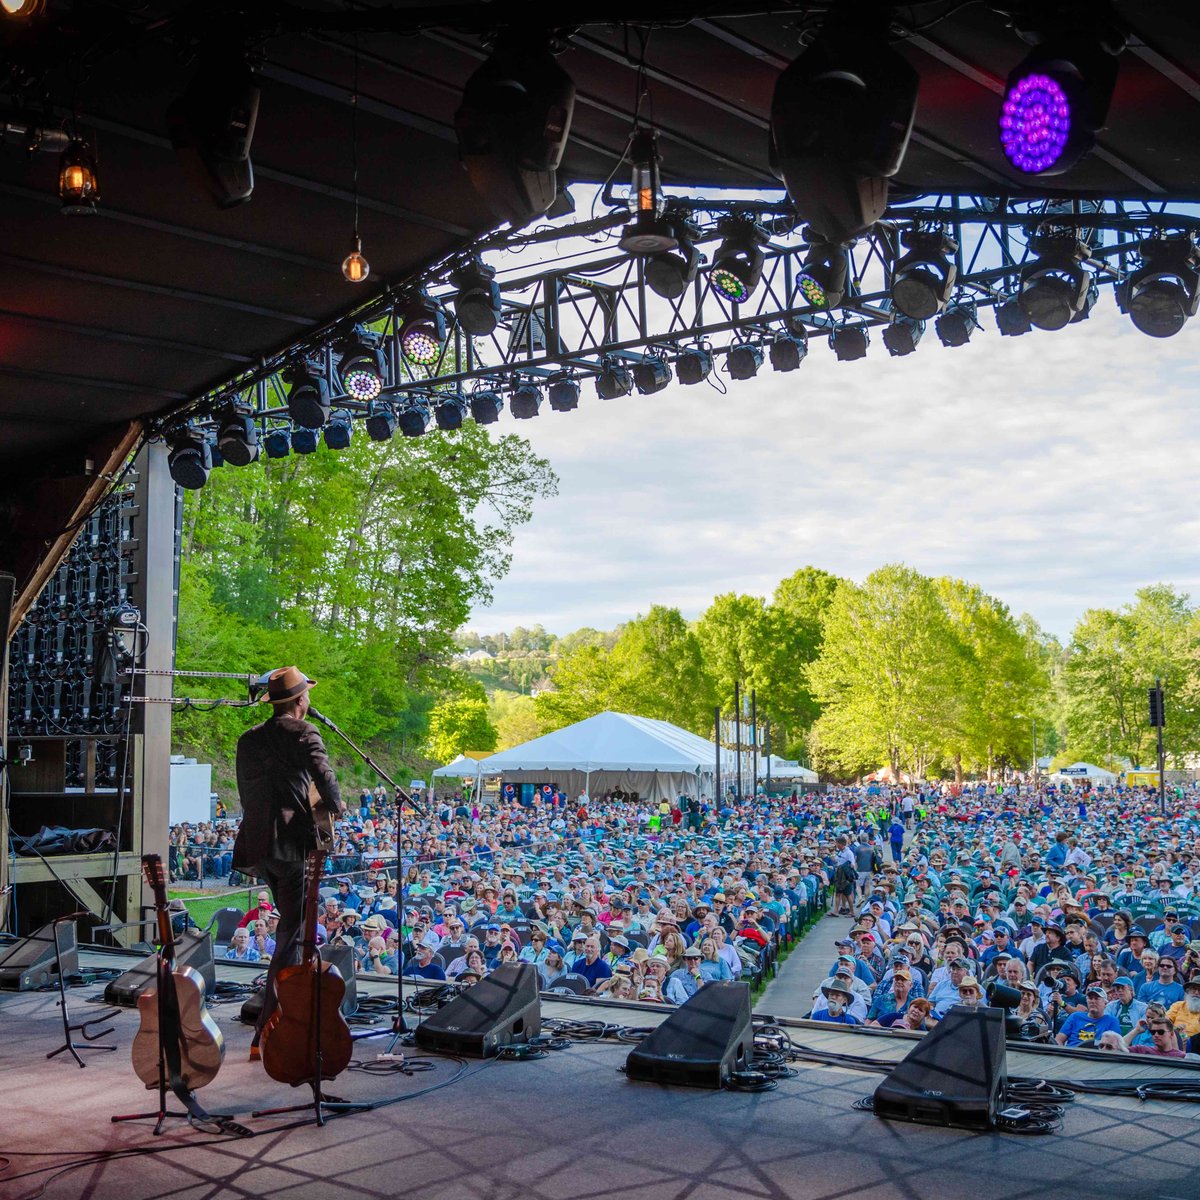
<point>77,181</point>
<point>354,266</point>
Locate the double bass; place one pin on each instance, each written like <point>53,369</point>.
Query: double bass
<point>306,1038</point>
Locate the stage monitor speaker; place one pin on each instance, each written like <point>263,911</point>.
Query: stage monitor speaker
<point>193,948</point>
<point>342,957</point>
<point>502,1008</point>
<point>701,1043</point>
<point>31,962</point>
<point>954,1076</point>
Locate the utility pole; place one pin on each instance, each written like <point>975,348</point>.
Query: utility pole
<point>1158,718</point>
<point>1035,762</point>
<point>753,741</point>
<point>718,797</point>
<point>737,735</point>
<point>767,748</point>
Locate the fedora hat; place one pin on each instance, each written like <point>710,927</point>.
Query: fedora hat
<point>285,684</point>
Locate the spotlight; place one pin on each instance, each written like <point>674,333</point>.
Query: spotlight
<point>738,264</point>
<point>694,365</point>
<point>338,432</point>
<point>1165,290</point>
<point>849,342</point>
<point>360,367</point>
<point>513,125</point>
<point>414,417</point>
<point>1011,319</point>
<point>477,304</point>
<point>788,351</point>
<point>304,441</point>
<point>924,278</point>
<point>189,459</point>
<point>743,359</point>
<point>613,381</point>
<point>78,188</point>
<point>450,409</point>
<point>237,439</point>
<point>1056,100</point>
<point>486,407</point>
<point>648,232</point>
<point>354,266</point>
<point>308,397</point>
<point>525,401</point>
<point>21,9</point>
<point>422,331</point>
<point>840,122</point>
<point>902,335</point>
<point>822,277</point>
<point>563,393</point>
<point>651,375</point>
<point>955,325</point>
<point>670,273</point>
<point>381,421</point>
<point>212,126</point>
<point>1055,286</point>
<point>277,443</point>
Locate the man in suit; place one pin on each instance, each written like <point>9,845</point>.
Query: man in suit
<point>276,762</point>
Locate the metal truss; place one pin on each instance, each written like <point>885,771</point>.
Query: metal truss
<point>574,319</point>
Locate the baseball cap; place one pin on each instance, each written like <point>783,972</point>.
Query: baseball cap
<point>1123,981</point>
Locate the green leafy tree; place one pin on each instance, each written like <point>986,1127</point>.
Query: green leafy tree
<point>514,717</point>
<point>735,637</point>
<point>460,726</point>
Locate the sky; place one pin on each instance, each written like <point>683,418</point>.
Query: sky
<point>1056,470</point>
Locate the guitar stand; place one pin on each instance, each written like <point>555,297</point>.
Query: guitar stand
<point>83,1028</point>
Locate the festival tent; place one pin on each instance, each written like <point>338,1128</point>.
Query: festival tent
<point>613,751</point>
<point>463,767</point>
<point>782,769</point>
<point>1077,772</point>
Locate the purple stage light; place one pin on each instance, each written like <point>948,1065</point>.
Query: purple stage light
<point>1035,123</point>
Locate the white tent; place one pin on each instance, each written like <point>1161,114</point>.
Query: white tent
<point>461,768</point>
<point>615,750</point>
<point>1078,772</point>
<point>782,769</point>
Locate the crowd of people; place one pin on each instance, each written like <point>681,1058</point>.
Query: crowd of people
<point>1084,903</point>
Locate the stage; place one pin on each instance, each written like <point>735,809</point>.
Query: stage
<point>558,1128</point>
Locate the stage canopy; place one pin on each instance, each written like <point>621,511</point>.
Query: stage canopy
<point>1082,770</point>
<point>461,768</point>
<point>614,751</point>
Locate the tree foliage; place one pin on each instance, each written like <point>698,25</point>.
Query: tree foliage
<point>460,726</point>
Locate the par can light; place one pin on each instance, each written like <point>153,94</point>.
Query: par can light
<point>614,381</point>
<point>955,326</point>
<point>850,342</point>
<point>381,421</point>
<point>563,393</point>
<point>902,335</point>
<point>651,375</point>
<point>277,443</point>
<point>486,407</point>
<point>526,401</point>
<point>743,359</point>
<point>413,417</point>
<point>788,351</point>
<point>305,441</point>
<point>450,410</point>
<point>694,365</point>
<point>338,432</point>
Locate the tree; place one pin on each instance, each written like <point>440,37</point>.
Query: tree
<point>459,726</point>
<point>734,636</point>
<point>514,717</point>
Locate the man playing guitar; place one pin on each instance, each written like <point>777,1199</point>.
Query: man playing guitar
<point>289,797</point>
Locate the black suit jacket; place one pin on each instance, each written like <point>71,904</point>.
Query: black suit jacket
<point>276,761</point>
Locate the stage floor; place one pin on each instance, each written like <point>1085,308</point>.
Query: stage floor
<point>561,1128</point>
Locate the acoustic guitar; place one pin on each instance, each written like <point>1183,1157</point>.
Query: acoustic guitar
<point>309,1013</point>
<point>194,1047</point>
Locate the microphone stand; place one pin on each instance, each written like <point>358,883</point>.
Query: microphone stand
<point>399,1028</point>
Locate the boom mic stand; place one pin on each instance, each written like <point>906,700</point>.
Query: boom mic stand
<point>399,1028</point>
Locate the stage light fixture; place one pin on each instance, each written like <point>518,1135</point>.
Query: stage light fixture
<point>449,410</point>
<point>788,351</point>
<point>821,280</point>
<point>525,402</point>
<point>308,396</point>
<point>669,274</point>
<point>743,359</point>
<point>1163,293</point>
<point>22,9</point>
<point>1011,320</point>
<point>849,342</point>
<point>1057,99</point>
<point>381,421</point>
<point>486,407</point>
<point>422,331</point>
<point>304,441</point>
<point>1055,286</point>
<point>513,125</point>
<point>651,375</point>
<point>563,393</point>
<point>648,232</point>
<point>841,117</point>
<point>190,458</point>
<point>237,439</point>
<point>613,381</point>
<point>413,417</point>
<point>78,182</point>
<point>354,266</point>
<point>955,326</point>
<point>277,443</point>
<point>923,280</point>
<point>694,365</point>
<point>212,124</point>
<point>738,264</point>
<point>360,365</point>
<point>338,433</point>
<point>902,335</point>
<point>477,302</point>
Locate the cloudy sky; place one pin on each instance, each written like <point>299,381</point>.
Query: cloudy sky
<point>1056,470</point>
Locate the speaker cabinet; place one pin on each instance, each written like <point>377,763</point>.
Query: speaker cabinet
<point>954,1076</point>
<point>193,948</point>
<point>502,1008</point>
<point>701,1043</point>
<point>33,961</point>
